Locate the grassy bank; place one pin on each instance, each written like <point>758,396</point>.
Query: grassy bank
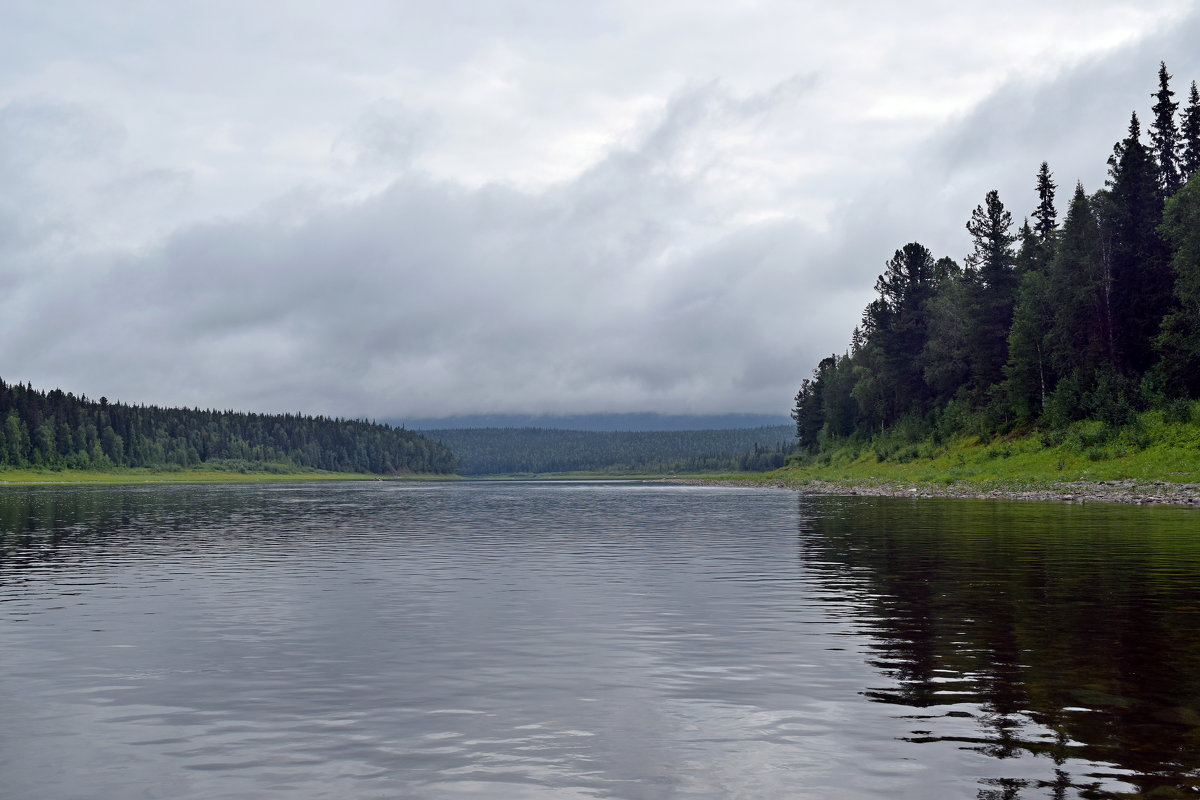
<point>137,475</point>
<point>1159,445</point>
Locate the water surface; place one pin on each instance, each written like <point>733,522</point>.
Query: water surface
<point>600,640</point>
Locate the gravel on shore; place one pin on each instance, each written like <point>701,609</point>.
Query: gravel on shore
<point>1128,492</point>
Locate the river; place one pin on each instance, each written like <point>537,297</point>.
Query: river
<point>591,640</point>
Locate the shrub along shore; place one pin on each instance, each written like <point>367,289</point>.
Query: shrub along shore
<point>1154,458</point>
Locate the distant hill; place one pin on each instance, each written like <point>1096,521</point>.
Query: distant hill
<point>596,422</point>
<point>501,451</point>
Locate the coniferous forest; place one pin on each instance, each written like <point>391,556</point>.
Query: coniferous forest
<point>1088,313</point>
<point>57,430</point>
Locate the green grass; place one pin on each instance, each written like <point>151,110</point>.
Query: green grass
<point>138,475</point>
<point>1156,446</point>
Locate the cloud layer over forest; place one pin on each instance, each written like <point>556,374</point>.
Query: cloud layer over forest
<point>511,207</point>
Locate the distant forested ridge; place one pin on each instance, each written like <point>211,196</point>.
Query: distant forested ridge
<point>504,451</point>
<point>596,422</point>
<point>55,429</point>
<point>1092,317</point>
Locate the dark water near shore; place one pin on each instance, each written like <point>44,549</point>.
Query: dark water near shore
<point>591,640</point>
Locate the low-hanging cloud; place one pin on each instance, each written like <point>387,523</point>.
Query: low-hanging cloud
<point>431,298</point>
<point>702,261</point>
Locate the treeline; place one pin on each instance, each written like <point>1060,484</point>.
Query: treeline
<point>57,430</point>
<point>506,451</point>
<point>1096,317</point>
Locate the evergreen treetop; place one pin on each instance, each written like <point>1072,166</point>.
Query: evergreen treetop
<point>991,259</point>
<point>1164,135</point>
<point>1189,134</point>
<point>1045,216</point>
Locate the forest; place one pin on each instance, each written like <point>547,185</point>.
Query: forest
<point>507,451</point>
<point>57,430</point>
<point>1092,317</point>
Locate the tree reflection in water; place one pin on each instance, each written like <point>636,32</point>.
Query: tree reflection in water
<point>1069,633</point>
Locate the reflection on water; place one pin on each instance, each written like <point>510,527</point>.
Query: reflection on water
<point>1064,635</point>
<point>591,640</point>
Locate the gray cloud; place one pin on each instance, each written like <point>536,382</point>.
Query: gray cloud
<point>387,134</point>
<point>712,244</point>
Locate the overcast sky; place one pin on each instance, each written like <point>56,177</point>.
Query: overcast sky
<point>393,209</point>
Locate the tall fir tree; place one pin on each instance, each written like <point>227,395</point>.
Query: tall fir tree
<point>993,279</point>
<point>1045,216</point>
<point>1189,134</point>
<point>1164,135</point>
<point>990,226</point>
<point>1036,244</point>
<point>1141,277</point>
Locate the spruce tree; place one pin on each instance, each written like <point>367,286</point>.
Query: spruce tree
<point>1036,243</point>
<point>1164,136</point>
<point>991,258</point>
<point>1189,134</point>
<point>1045,215</point>
<point>1141,277</point>
<point>993,281</point>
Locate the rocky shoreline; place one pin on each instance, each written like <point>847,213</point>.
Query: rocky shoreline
<point>1127,492</point>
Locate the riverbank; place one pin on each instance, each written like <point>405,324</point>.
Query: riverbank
<point>1126,492</point>
<point>25,477</point>
<point>1155,459</point>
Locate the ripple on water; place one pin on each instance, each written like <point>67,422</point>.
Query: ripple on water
<point>590,640</point>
